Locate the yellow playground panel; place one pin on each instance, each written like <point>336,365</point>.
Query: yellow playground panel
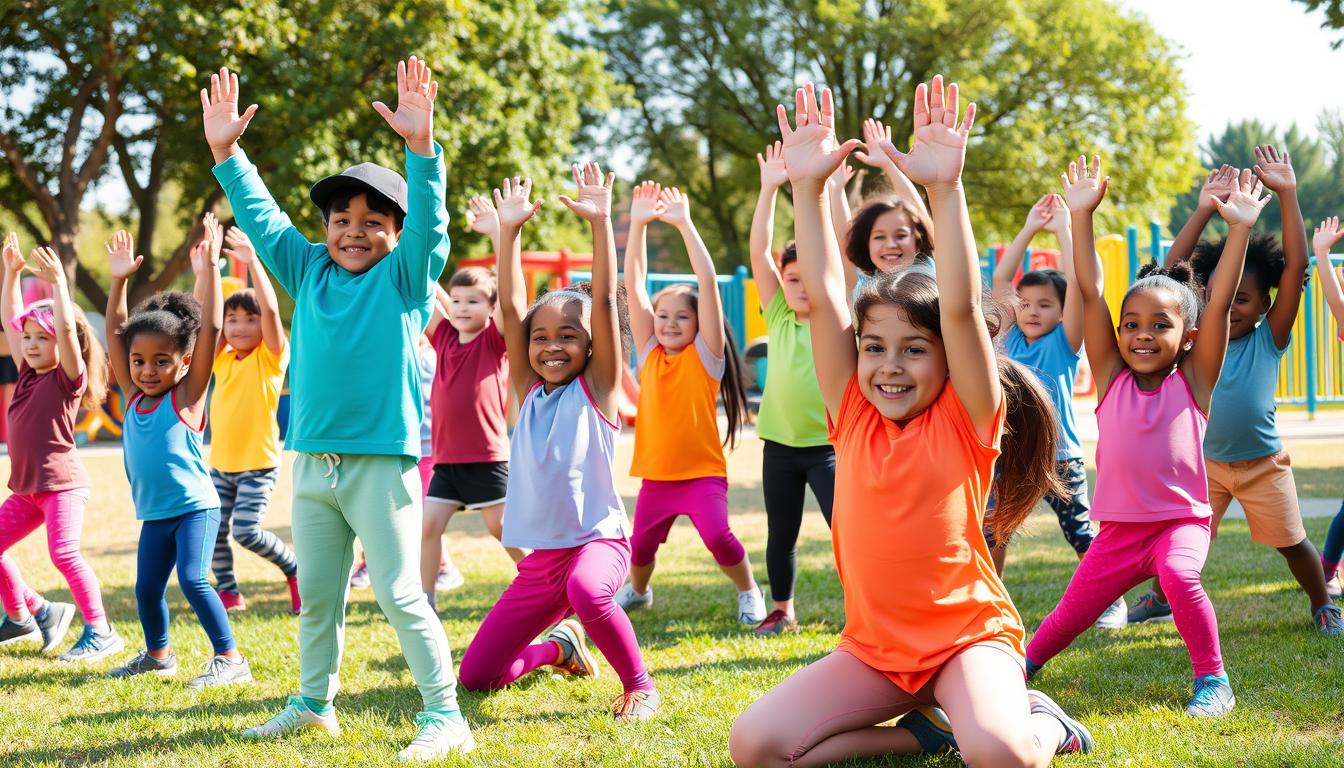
<point>1114,253</point>
<point>751,301</point>
<point>1314,359</point>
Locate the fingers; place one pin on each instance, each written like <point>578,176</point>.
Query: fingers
<point>382,110</point>
<point>827,113</point>
<point>921,108</point>
<point>897,156</point>
<point>968,121</point>
<point>782,117</point>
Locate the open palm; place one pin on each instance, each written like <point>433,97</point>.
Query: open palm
<point>47,265</point>
<point>594,196</point>
<point>121,259</point>
<point>774,173</point>
<point>644,205</point>
<point>1326,235</point>
<point>13,257</point>
<point>1274,168</point>
<point>219,110</point>
<point>939,151</point>
<point>810,150</point>
<point>512,204</point>
<point>1084,187</point>
<point>1244,204</point>
<point>416,92</point>
<point>676,207</point>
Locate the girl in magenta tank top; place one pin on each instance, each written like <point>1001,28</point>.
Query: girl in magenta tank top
<point>1155,377</point>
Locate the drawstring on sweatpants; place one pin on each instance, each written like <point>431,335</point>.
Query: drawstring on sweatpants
<point>333,466</point>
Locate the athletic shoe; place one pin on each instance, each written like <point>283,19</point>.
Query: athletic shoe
<point>777,623</point>
<point>1329,620</point>
<point>437,737</point>
<point>1115,617</point>
<point>931,729</point>
<point>296,716</point>
<point>143,663</point>
<point>233,600</point>
<point>1333,588</point>
<point>751,607</point>
<point>295,604</point>
<point>1213,697</point>
<point>92,646</point>
<point>221,670</point>
<point>1076,736</point>
<point>577,661</point>
<point>636,705</point>
<point>359,578</point>
<point>12,631</point>
<point>54,621</point>
<point>449,578</point>
<point>1149,608</point>
<point>630,600</point>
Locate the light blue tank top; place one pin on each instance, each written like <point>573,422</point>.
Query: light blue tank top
<point>562,477</point>
<point>163,461</point>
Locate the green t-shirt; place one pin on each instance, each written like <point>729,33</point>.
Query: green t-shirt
<point>792,412</point>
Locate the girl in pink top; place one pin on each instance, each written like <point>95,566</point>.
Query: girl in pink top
<point>1155,378</point>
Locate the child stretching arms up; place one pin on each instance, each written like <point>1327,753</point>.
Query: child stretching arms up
<point>1155,378</point>
<point>917,416</point>
<point>61,368</point>
<point>565,359</point>
<point>677,448</point>
<point>1323,239</point>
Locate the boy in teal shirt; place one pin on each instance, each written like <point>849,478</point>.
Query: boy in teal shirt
<point>361,300</point>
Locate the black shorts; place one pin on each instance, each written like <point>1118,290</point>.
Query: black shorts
<point>9,372</point>
<point>472,486</point>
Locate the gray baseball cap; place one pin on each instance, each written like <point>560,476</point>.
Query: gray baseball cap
<point>363,177</point>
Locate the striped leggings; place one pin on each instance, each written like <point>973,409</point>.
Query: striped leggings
<point>243,499</point>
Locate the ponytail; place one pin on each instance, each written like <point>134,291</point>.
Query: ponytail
<point>732,394</point>
<point>95,362</point>
<point>1026,470</point>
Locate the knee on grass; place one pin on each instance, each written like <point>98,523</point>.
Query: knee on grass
<point>753,743</point>
<point>983,748</point>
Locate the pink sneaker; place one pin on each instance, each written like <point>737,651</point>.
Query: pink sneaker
<point>233,601</point>
<point>294,602</point>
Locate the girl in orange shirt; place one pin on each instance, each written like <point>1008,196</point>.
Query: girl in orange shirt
<point>918,412</point>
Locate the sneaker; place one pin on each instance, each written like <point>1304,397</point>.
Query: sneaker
<point>221,670</point>
<point>92,646</point>
<point>1333,588</point>
<point>295,716</point>
<point>438,736</point>
<point>1115,617</point>
<point>12,631</point>
<point>1329,620</point>
<point>931,729</point>
<point>233,600</point>
<point>630,600</point>
<point>144,663</point>
<point>295,604</point>
<point>751,607</point>
<point>636,705</point>
<point>359,578</point>
<point>54,622</point>
<point>449,578</point>
<point>1149,608</point>
<point>1213,697</point>
<point>578,661</point>
<point>1076,736</point>
<point>777,623</point>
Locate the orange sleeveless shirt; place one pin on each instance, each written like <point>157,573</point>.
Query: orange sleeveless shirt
<point>677,424</point>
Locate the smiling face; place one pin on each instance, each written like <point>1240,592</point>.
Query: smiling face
<point>902,368</point>
<point>675,322</point>
<point>468,309</point>
<point>156,363</point>
<point>38,347</point>
<point>1248,305</point>
<point>791,282</point>
<point>1152,333</point>
<point>891,243</point>
<point>558,343</point>
<point>358,236</point>
<point>242,329</point>
<point>1039,310</point>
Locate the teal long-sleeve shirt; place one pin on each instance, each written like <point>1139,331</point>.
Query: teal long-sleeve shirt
<point>354,378</point>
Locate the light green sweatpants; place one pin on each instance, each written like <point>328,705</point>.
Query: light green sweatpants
<point>375,498</point>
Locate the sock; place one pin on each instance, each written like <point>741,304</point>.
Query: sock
<point>317,706</point>
<point>1033,668</point>
<point>751,591</point>
<point>1329,567</point>
<point>1223,678</point>
<point>41,613</point>
<point>451,715</point>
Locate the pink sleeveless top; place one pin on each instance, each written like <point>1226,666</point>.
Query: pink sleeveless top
<point>1150,454</point>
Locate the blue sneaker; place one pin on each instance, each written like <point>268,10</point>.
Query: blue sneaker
<point>1076,736</point>
<point>12,631</point>
<point>1329,620</point>
<point>1213,697</point>
<point>931,728</point>
<point>1149,608</point>
<point>92,646</point>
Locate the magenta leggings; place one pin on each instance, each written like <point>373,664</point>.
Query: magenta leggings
<point>63,514</point>
<point>1123,555</point>
<point>703,499</point>
<point>551,584</point>
<point>27,598</point>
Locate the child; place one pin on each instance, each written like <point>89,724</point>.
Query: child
<point>677,448</point>
<point>151,354</point>
<point>61,369</point>
<point>1323,239</point>
<point>1155,378</point>
<point>565,360</point>
<point>792,420</point>
<point>363,297</point>
<point>917,416</point>
<point>1046,335</point>
<point>245,447</point>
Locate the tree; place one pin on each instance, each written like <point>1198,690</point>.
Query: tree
<point>115,85</point>
<point>1334,14</point>
<point>1051,78</point>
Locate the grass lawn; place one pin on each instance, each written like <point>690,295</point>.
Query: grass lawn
<point>1128,687</point>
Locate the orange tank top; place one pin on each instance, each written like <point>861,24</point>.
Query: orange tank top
<point>918,580</point>
<point>677,424</point>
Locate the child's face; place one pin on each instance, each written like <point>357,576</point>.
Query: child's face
<point>1039,311</point>
<point>794,295</point>
<point>359,237</point>
<point>156,364</point>
<point>1152,334</point>
<point>468,308</point>
<point>902,368</point>
<point>558,344</point>
<point>39,347</point>
<point>891,244</point>
<point>242,329</point>
<point>1250,302</point>
<point>674,322</point>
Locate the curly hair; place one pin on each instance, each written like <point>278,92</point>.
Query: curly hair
<point>1264,260</point>
<point>1180,280</point>
<point>172,314</point>
<point>583,294</point>
<point>861,228</point>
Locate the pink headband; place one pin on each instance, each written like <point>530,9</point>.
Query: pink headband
<point>41,313</point>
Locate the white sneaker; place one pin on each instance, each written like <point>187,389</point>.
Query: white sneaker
<point>630,600</point>
<point>438,736</point>
<point>751,607</point>
<point>296,716</point>
<point>449,578</point>
<point>1115,617</point>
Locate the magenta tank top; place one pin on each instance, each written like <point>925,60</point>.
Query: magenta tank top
<point>1150,453</point>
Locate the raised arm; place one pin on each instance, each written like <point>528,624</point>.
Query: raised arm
<point>440,308</point>
<point>484,220</point>
<point>1058,224</point>
<point>48,267</point>
<point>1003,289</point>
<point>513,290</point>
<point>645,207</point>
<point>121,263</point>
<point>1084,189</point>
<point>11,298</point>
<point>205,263</point>
<point>1324,238</point>
<point>773,176</point>
<point>272,330</point>
<point>677,212</point>
<point>1219,185</point>
<point>874,133</point>
<point>1275,170</point>
<point>603,373</point>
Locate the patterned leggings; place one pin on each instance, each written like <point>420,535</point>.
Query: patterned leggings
<point>243,499</point>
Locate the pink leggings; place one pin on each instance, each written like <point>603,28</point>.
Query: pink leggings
<point>551,584</point>
<point>63,513</point>
<point>1123,555</point>
<point>9,574</point>
<point>703,499</point>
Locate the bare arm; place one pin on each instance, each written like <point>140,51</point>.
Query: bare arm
<point>773,176</point>
<point>1084,189</point>
<point>439,309</point>
<point>644,208</point>
<point>11,298</point>
<point>874,133</point>
<point>1275,171</point>
<point>1058,224</point>
<point>512,285</point>
<point>205,262</point>
<point>603,372</point>
<point>49,268</point>
<point>483,219</point>
<point>122,263</point>
<point>1219,184</point>
<point>272,330</point>
<point>1003,289</point>
<point>677,212</point>
<point>1325,237</point>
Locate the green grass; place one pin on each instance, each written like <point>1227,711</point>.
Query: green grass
<point>1128,687</point>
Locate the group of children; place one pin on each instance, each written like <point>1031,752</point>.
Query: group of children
<point>926,443</point>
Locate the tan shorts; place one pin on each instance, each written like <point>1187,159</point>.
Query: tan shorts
<point>1265,488</point>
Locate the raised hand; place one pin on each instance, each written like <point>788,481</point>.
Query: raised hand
<point>811,153</point>
<point>512,204</point>
<point>219,111</point>
<point>645,205</point>
<point>1058,222</point>
<point>239,247</point>
<point>1326,235</point>
<point>1244,204</point>
<point>774,174</point>
<point>1038,218</point>
<point>47,265</point>
<point>414,118</point>
<point>13,257</point>
<point>121,259</point>
<point>676,207</point>
<point>939,151</point>
<point>1084,187</point>
<point>1274,169</point>
<point>1220,184</point>
<point>594,195</point>
<point>482,217</point>
<point>874,133</point>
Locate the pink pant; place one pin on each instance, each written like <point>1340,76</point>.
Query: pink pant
<point>551,584</point>
<point>703,499</point>
<point>9,574</point>
<point>63,514</point>
<point>1123,555</point>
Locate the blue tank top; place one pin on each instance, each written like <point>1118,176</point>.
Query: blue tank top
<point>562,476</point>
<point>163,461</point>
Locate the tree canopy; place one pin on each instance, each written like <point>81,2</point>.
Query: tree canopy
<point>1334,14</point>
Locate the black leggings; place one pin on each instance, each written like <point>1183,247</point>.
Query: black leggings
<point>785,474</point>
